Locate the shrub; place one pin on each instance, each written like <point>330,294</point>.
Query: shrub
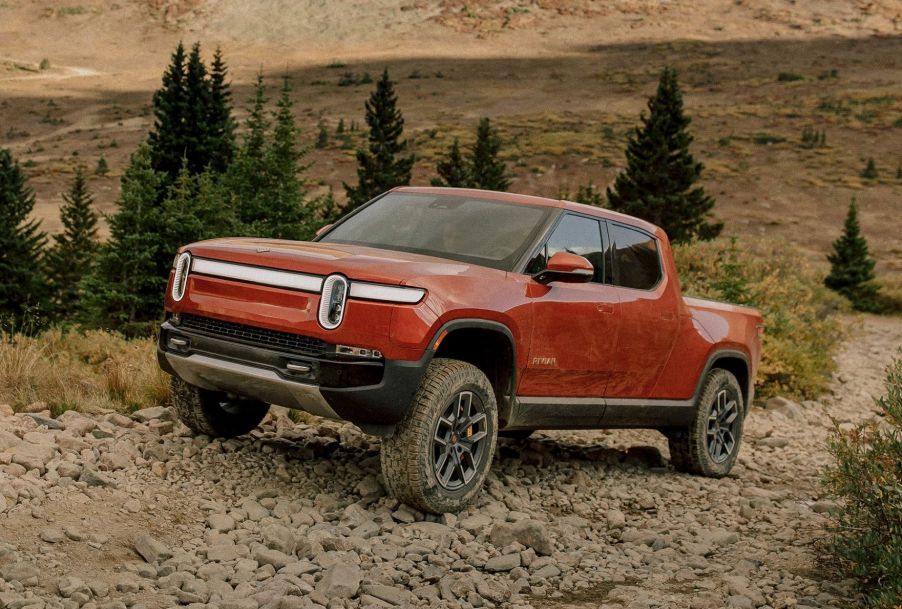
<point>801,330</point>
<point>789,77</point>
<point>867,475</point>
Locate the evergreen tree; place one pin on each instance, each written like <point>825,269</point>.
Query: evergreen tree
<point>851,266</point>
<point>341,127</point>
<point>870,170</point>
<point>322,137</point>
<point>168,139</point>
<point>21,243</point>
<point>264,182</point>
<point>221,131</point>
<point>286,213</point>
<point>324,210</point>
<point>385,164</point>
<point>487,171</point>
<point>193,210</point>
<point>453,170</point>
<point>102,167</point>
<point>659,182</point>
<point>589,194</point>
<point>125,289</point>
<point>247,176</point>
<point>193,119</point>
<point>257,122</point>
<point>72,255</point>
<point>197,137</point>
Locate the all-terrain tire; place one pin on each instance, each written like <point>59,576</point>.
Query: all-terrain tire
<point>213,413</point>
<point>408,462</point>
<point>691,448</point>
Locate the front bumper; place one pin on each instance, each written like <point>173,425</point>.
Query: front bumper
<point>374,395</point>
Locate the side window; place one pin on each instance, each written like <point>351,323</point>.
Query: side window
<point>577,235</point>
<point>636,258</point>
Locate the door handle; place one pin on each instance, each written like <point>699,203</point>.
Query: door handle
<point>668,316</point>
<point>606,308</point>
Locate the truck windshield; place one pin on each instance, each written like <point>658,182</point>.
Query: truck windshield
<point>462,228</point>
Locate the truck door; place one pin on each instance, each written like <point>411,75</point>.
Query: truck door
<point>649,313</point>
<point>574,331</point>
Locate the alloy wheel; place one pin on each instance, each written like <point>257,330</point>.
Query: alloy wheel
<point>458,443</point>
<point>723,423</point>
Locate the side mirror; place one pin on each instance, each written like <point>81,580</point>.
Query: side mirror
<point>566,267</point>
<point>323,229</point>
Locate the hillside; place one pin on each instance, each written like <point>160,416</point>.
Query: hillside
<point>565,81</point>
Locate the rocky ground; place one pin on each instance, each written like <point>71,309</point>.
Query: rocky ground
<point>113,511</point>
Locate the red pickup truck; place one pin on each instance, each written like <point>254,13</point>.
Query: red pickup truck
<point>440,318</point>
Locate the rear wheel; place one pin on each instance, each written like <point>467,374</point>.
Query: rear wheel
<point>440,453</point>
<point>215,413</point>
<point>710,445</point>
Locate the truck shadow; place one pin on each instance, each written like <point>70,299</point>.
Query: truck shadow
<point>339,461</point>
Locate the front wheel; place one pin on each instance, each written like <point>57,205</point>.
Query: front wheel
<point>710,445</point>
<point>440,453</point>
<point>214,413</point>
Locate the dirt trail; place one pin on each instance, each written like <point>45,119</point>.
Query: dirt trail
<point>33,72</point>
<point>295,516</point>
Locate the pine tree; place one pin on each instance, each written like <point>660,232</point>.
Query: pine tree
<point>384,165</point>
<point>264,182</point>
<point>324,210</point>
<point>102,167</point>
<point>658,184</point>
<point>341,127</point>
<point>322,137</point>
<point>588,194</point>
<point>453,170</point>
<point>286,213</point>
<point>193,210</point>
<point>257,122</point>
<point>193,116</point>
<point>851,266</point>
<point>72,256</point>
<point>221,125</point>
<point>487,171</point>
<point>870,170</point>
<point>125,289</point>
<point>247,176</point>
<point>197,140</point>
<point>21,243</point>
<point>167,140</point>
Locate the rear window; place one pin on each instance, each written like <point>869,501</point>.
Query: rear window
<point>636,261</point>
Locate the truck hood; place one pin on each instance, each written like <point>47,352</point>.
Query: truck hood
<point>354,261</point>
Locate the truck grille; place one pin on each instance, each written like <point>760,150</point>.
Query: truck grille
<point>259,337</point>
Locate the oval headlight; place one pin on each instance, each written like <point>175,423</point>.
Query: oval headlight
<point>332,301</point>
<point>180,280</point>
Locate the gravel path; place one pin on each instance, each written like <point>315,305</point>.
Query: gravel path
<point>114,512</point>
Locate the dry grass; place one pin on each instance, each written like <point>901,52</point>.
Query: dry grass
<point>88,371</point>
